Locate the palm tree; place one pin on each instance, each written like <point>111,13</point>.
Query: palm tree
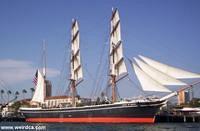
<point>9,93</point>
<point>2,92</point>
<point>16,94</point>
<point>32,90</point>
<point>24,92</point>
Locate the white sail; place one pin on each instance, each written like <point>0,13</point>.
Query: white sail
<point>117,64</point>
<point>39,93</point>
<point>170,71</point>
<point>147,83</point>
<point>76,68</point>
<point>157,75</point>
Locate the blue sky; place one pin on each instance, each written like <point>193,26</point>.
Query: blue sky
<point>165,30</point>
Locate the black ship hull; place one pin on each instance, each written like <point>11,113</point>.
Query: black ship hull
<point>128,112</point>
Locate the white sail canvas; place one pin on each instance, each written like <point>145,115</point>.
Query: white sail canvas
<point>39,93</point>
<point>117,64</point>
<point>76,68</point>
<point>170,71</point>
<point>162,78</point>
<point>147,83</point>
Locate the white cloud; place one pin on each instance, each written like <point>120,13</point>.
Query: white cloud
<point>52,72</point>
<point>16,71</point>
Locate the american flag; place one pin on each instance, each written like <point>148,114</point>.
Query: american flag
<point>35,78</point>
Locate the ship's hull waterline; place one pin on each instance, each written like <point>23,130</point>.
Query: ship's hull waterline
<point>111,113</point>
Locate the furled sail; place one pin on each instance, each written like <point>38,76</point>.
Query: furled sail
<point>170,71</point>
<point>39,93</point>
<point>157,75</point>
<point>117,64</point>
<point>75,62</point>
<point>147,83</point>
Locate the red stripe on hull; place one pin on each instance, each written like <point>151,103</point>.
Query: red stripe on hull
<point>93,120</point>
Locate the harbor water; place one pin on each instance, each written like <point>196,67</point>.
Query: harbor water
<point>5,126</point>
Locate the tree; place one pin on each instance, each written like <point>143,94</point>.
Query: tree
<point>2,92</point>
<point>98,101</point>
<point>9,93</point>
<point>32,90</point>
<point>16,94</point>
<point>24,92</point>
<point>78,97</point>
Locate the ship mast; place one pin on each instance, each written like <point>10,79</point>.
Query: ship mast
<point>44,67</point>
<point>40,80</point>
<point>117,64</point>
<point>75,61</point>
<point>44,59</point>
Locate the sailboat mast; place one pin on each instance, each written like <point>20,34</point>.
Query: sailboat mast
<point>44,59</point>
<point>44,68</point>
<point>73,88</point>
<point>117,64</point>
<point>75,62</point>
<point>72,80</point>
<point>114,98</point>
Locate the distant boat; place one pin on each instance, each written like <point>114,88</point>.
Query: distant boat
<point>152,75</point>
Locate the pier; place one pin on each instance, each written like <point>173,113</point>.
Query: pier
<point>177,118</point>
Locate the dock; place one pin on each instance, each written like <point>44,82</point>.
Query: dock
<point>177,118</point>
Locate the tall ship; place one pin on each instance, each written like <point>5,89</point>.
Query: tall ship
<point>152,76</point>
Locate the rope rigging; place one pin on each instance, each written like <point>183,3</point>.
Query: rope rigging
<point>99,72</point>
<point>63,78</point>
